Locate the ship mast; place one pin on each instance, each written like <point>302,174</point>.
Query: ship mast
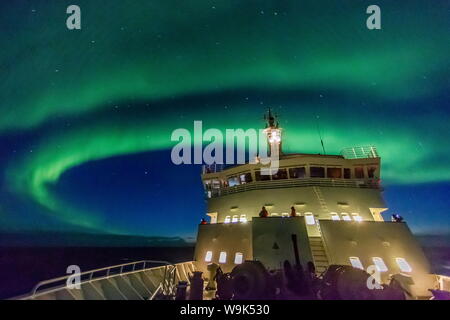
<point>273,132</point>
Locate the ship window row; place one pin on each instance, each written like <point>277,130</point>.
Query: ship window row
<point>238,257</point>
<point>236,218</point>
<point>380,265</point>
<point>309,217</point>
<point>293,173</point>
<point>346,217</point>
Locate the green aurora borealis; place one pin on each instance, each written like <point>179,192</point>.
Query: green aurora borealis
<point>140,69</point>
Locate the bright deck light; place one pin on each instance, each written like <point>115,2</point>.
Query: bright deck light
<point>346,217</point>
<point>335,216</point>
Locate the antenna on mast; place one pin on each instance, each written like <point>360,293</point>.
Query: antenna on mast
<point>320,134</point>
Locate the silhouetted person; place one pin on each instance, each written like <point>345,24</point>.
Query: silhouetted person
<point>293,212</point>
<point>263,213</point>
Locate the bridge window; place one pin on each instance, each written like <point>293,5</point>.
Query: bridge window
<point>379,263</point>
<point>334,173</point>
<point>357,217</point>
<point>235,219</point>
<point>347,173</point>
<point>243,218</point>
<point>346,217</point>
<point>281,174</point>
<point>261,177</point>
<point>359,172</point>
<point>238,258</point>
<point>309,217</point>
<point>223,257</point>
<point>246,177</point>
<point>403,265</point>
<point>233,181</point>
<point>208,256</point>
<point>335,216</point>
<point>227,219</point>
<point>356,263</point>
<point>317,172</point>
<point>297,173</point>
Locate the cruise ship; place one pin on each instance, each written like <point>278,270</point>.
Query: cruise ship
<point>316,228</point>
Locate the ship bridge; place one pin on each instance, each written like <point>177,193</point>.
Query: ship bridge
<point>344,186</point>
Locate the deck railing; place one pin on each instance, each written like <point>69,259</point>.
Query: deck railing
<point>50,285</point>
<point>362,152</point>
<point>291,183</point>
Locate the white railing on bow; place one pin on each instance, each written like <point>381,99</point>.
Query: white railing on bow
<point>51,285</point>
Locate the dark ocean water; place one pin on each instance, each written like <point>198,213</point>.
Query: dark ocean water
<point>22,267</point>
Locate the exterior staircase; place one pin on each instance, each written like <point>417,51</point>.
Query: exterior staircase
<point>321,199</point>
<point>319,254</point>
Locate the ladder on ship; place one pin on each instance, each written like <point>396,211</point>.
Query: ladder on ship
<point>316,243</point>
<point>321,199</point>
<point>319,255</point>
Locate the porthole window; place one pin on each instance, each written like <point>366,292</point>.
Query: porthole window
<point>223,257</point>
<point>208,256</point>
<point>238,258</point>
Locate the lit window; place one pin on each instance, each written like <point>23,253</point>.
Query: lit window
<point>274,214</point>
<point>227,219</point>
<point>233,181</point>
<point>346,217</point>
<point>243,218</point>
<point>335,216</point>
<point>309,218</point>
<point>357,217</point>
<point>403,264</point>
<point>379,263</point>
<point>223,257</point>
<point>235,219</point>
<point>356,263</point>
<point>208,256</point>
<point>238,258</point>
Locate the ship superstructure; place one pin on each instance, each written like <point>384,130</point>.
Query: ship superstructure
<point>331,205</point>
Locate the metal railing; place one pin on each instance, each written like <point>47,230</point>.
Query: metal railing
<point>51,285</point>
<point>168,285</point>
<point>291,183</point>
<point>362,152</point>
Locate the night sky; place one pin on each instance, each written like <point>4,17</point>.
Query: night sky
<point>87,115</point>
